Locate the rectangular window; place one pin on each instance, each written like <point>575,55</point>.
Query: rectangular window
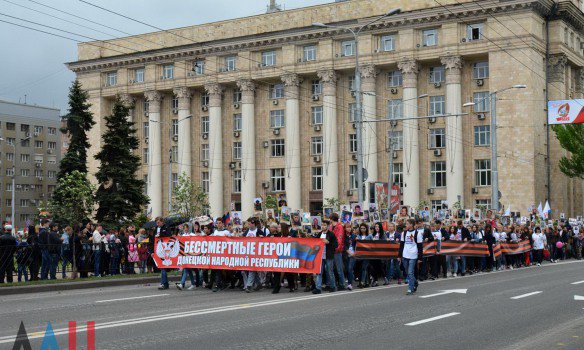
<point>52,131</point>
<point>438,174</point>
<point>348,48</point>
<point>205,124</point>
<point>38,129</point>
<point>237,122</point>
<point>430,37</point>
<point>436,204</point>
<point>398,174</point>
<point>437,105</point>
<point>436,74</point>
<point>353,177</point>
<point>276,91</point>
<point>199,67</point>
<point>174,104</point>
<point>24,202</point>
<point>277,148</point>
<point>317,178</point>
<point>397,138</point>
<point>316,113</point>
<point>25,143</point>
<point>25,158</point>
<point>237,181</point>
<point>51,174</point>
<point>437,138</point>
<point>394,79</point>
<point>205,152</point>
<point>268,58</point>
<point>52,159</point>
<point>168,71</point>
<point>38,173</point>
<point>205,181</point>
<point>146,128</point>
<point>139,75</point>
<point>352,83</point>
<point>230,63</point>
<point>481,101</point>
<point>277,119</point>
<point>486,203</point>
<point>24,127</point>
<point>24,172</point>
<point>174,154</point>
<point>10,141</point>
<point>10,126</point>
<point>204,100</point>
<point>237,96</point>
<point>175,127</point>
<point>111,79</point>
<point>9,185</point>
<point>316,88</point>
<point>10,157</point>
<point>387,43</point>
<point>474,31</point>
<point>237,150</point>
<point>316,144</point>
<point>145,179</point>
<point>394,109</point>
<point>145,156</point>
<point>309,53</point>
<point>278,180</point>
<point>52,145</point>
<point>174,181</point>
<point>38,144</point>
<point>480,70</point>
<point>352,112</point>
<point>483,172</point>
<point>146,107</point>
<point>482,135</point>
<point>8,202</point>
<point>352,143</point>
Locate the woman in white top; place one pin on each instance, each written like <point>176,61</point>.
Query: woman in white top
<point>539,243</point>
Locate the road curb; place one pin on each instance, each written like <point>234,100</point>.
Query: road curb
<point>96,283</point>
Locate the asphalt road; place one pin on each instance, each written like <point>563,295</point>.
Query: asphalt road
<point>533,308</point>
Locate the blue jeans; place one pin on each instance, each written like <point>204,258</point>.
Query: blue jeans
<point>409,266</point>
<point>327,267</point>
<point>45,264</point>
<point>452,263</point>
<point>114,265</point>
<point>97,262</point>
<point>66,257</point>
<point>350,269</point>
<point>22,271</point>
<point>189,273</point>
<point>463,264</point>
<point>395,269</point>
<point>339,265</point>
<point>54,261</point>
<point>364,267</point>
<point>163,277</point>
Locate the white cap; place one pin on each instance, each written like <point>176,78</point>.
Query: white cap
<point>8,227</point>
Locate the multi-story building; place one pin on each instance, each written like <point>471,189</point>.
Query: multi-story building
<point>266,104</point>
<point>30,152</point>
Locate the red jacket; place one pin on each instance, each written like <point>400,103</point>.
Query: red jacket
<point>339,232</point>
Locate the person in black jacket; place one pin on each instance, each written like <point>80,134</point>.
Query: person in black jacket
<point>54,248</point>
<point>7,249</point>
<point>466,237</point>
<point>43,245</point>
<point>162,231</point>
<point>490,239</point>
<point>36,255</point>
<point>330,241</point>
<point>428,264</point>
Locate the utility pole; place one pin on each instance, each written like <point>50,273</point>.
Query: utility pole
<point>494,167</point>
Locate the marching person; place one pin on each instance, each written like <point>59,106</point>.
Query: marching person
<point>410,251</point>
<point>330,241</point>
<point>539,243</point>
<point>217,275</point>
<point>162,231</point>
<point>338,230</point>
<point>187,272</point>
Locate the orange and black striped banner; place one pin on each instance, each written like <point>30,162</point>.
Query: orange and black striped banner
<point>497,250</point>
<point>515,248</point>
<point>458,248</point>
<point>429,249</point>
<point>376,250</point>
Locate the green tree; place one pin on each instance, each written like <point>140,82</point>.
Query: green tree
<point>571,137</point>
<point>189,199</point>
<point>120,194</point>
<point>334,203</point>
<point>77,199</point>
<point>271,202</point>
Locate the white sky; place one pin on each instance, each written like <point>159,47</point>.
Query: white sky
<point>31,63</point>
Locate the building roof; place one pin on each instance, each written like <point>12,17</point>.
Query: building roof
<point>13,109</point>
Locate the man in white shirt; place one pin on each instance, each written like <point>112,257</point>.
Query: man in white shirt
<point>217,275</point>
<point>539,242</point>
<point>249,277</point>
<point>96,239</point>
<point>409,252</point>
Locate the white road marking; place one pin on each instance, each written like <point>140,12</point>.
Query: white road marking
<point>578,297</point>
<point>132,298</point>
<point>432,319</point>
<point>444,292</point>
<point>525,295</point>
<point>579,282</point>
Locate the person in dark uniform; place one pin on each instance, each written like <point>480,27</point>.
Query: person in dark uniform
<point>162,231</point>
<point>7,249</point>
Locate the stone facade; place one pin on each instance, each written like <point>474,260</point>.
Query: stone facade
<point>276,68</point>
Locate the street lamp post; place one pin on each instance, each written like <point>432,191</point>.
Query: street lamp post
<point>358,97</point>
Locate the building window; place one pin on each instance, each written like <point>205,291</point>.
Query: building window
<point>24,203</point>
<point>111,79</point>
<point>237,150</point>
<point>430,37</point>
<point>174,154</point>
<point>24,127</point>
<point>24,172</point>
<point>387,43</point>
<point>146,107</point>
<point>437,138</point>
<point>145,156</point>
<point>483,172</point>
<point>38,173</point>
<point>8,202</point>
<point>237,122</point>
<point>237,181</point>
<point>485,203</point>
<point>316,88</point>
<point>10,157</point>
<point>51,188</point>
<point>353,177</point>
<point>278,180</point>
<point>394,79</point>
<point>199,67</point>
<point>52,131</point>
<point>8,185</point>
<point>481,101</point>
<point>145,179</point>
<point>205,152</point>
<point>204,100</point>
<point>230,63</point>
<point>316,144</point>
<point>436,204</point>
<point>398,174</point>
<point>139,75</point>
<point>25,158</point>
<point>276,91</point>
<point>438,174</point>
<point>174,104</point>
<point>205,124</point>
<point>316,113</point>
<point>51,174</point>
<point>397,139</point>
<point>480,70</point>
<point>168,71</point>
<point>437,105</point>
<point>352,83</point>
<point>237,96</point>
<point>277,147</point>
<point>38,129</point>
<point>146,127</point>
<point>482,135</point>
<point>174,181</point>
<point>352,143</point>
<point>175,127</point>
<point>317,178</point>
<point>10,126</point>
<point>277,119</point>
<point>436,74</point>
<point>348,48</point>
<point>268,58</point>
<point>52,145</point>
<point>394,109</point>
<point>474,31</point>
<point>352,112</point>
<point>38,144</point>
<point>52,159</point>
<point>10,141</point>
<point>309,53</point>
<point>205,181</point>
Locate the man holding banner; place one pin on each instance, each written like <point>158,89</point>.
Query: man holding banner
<point>410,250</point>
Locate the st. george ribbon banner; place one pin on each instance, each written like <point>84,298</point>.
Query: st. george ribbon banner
<point>297,255</point>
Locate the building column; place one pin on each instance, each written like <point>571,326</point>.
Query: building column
<point>215,92</point>
<point>292,142</point>
<point>155,150</point>
<point>184,130</point>
<point>330,181</point>
<point>129,102</point>
<point>454,134</point>
<point>368,75</point>
<point>248,153</point>
<point>411,153</point>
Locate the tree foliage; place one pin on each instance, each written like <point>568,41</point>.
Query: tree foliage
<point>76,199</point>
<point>571,137</point>
<point>189,199</point>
